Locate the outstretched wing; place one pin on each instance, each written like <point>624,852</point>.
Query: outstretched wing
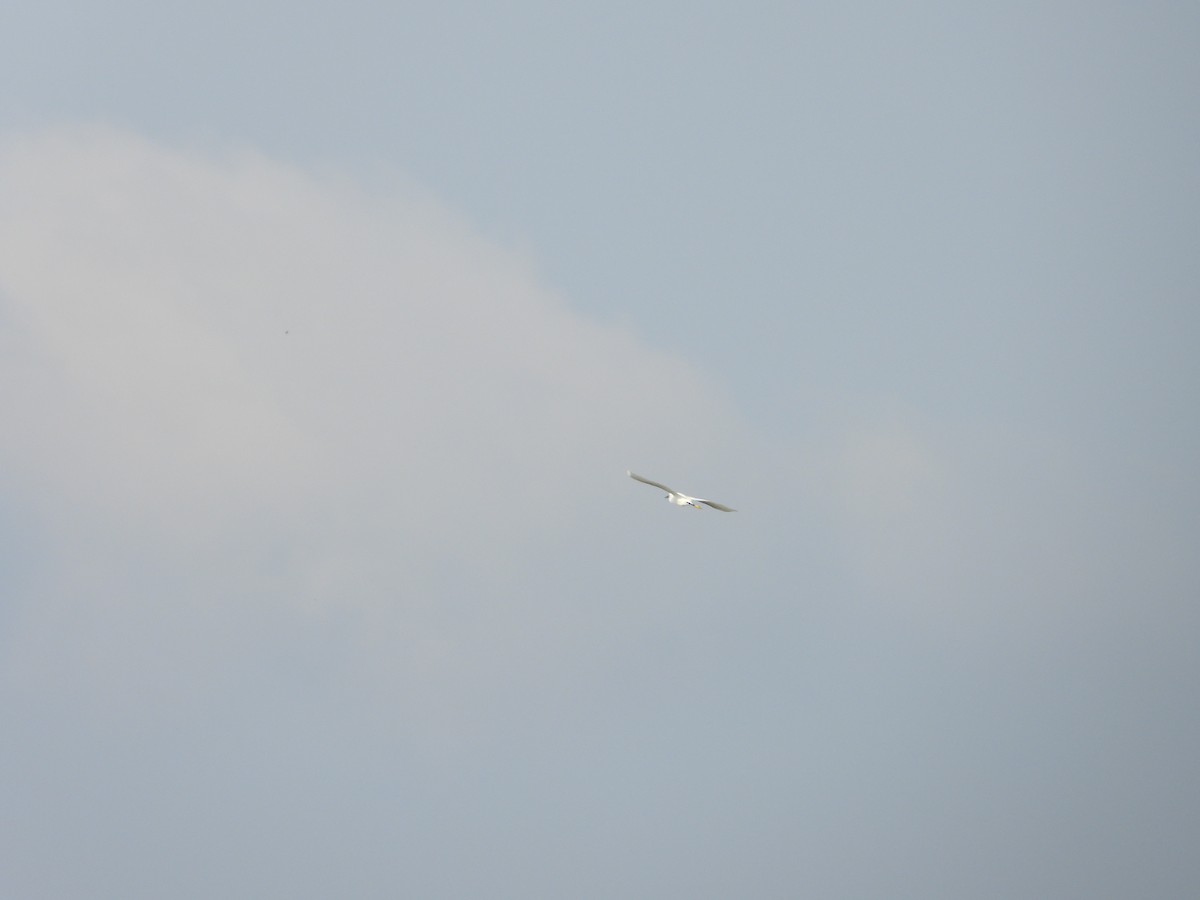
<point>661,487</point>
<point>715,505</point>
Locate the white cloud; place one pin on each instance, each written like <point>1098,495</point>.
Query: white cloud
<point>288,393</point>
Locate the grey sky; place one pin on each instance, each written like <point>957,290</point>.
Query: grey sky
<point>327,333</point>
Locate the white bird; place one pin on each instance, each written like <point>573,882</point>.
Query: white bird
<point>677,498</point>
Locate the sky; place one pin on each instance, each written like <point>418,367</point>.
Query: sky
<point>329,331</point>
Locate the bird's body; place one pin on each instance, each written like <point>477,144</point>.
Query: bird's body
<point>677,498</point>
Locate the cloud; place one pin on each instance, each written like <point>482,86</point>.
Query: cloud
<point>247,389</point>
<point>969,527</point>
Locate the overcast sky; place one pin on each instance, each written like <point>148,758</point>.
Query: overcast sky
<point>327,334</point>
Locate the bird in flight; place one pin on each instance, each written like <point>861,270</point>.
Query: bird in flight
<point>677,498</point>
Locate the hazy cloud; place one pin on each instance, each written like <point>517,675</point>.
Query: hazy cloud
<point>295,397</point>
